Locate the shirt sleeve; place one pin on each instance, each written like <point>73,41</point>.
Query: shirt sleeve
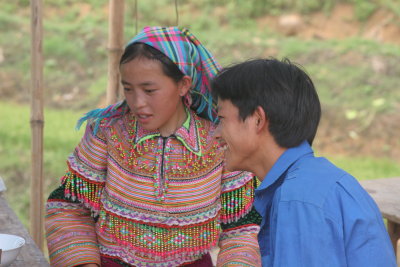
<point>239,221</point>
<point>366,239</point>
<point>347,230</point>
<point>71,209</point>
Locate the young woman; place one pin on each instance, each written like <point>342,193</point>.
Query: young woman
<point>146,185</point>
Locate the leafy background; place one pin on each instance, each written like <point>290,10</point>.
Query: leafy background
<point>350,49</point>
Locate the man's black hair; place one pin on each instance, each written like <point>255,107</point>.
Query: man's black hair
<point>282,89</point>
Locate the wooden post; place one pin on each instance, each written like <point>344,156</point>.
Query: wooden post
<point>37,123</point>
<point>393,229</point>
<point>115,48</point>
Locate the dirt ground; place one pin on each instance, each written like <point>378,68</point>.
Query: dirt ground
<point>380,137</point>
<point>382,26</point>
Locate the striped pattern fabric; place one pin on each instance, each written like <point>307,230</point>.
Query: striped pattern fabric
<point>240,242</point>
<point>191,57</point>
<point>149,201</point>
<point>65,247</point>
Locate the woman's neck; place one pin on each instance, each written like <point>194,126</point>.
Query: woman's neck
<point>175,123</point>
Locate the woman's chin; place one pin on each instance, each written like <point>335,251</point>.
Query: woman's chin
<point>148,127</point>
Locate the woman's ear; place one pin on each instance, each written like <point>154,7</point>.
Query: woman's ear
<point>261,119</point>
<point>184,85</point>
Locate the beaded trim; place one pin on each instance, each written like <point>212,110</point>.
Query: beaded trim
<point>160,241</point>
<point>237,203</point>
<point>116,207</point>
<point>86,191</point>
<point>143,261</point>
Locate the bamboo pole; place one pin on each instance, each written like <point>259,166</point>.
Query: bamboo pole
<point>37,123</point>
<point>115,48</point>
<point>177,12</point>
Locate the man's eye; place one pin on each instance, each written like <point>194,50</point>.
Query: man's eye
<point>149,91</point>
<point>127,89</point>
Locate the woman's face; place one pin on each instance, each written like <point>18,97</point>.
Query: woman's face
<point>154,98</point>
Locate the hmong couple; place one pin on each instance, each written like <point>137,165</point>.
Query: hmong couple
<point>196,157</point>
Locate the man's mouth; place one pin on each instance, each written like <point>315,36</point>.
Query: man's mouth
<point>224,147</point>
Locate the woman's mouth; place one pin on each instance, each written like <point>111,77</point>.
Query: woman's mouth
<point>143,118</point>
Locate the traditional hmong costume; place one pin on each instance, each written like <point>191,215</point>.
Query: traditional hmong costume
<point>133,197</point>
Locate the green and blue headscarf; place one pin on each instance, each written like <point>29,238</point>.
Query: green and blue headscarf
<point>192,59</point>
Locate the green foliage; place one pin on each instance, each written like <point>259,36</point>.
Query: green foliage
<point>364,9</point>
<point>22,3</point>
<point>15,151</point>
<point>75,53</point>
<point>366,47</point>
<point>244,10</point>
<point>341,81</point>
<point>95,91</point>
<point>8,21</point>
<point>60,49</point>
<point>392,5</point>
<point>365,168</point>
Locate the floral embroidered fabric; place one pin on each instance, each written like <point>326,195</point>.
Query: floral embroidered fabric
<point>156,200</point>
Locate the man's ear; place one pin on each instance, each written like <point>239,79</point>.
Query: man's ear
<point>261,119</point>
<point>184,85</point>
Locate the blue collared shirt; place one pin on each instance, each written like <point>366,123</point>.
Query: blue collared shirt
<point>315,214</point>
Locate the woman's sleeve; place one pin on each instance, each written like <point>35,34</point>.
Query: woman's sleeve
<point>71,209</point>
<point>239,221</point>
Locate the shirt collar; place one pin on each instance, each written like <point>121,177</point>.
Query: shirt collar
<point>283,163</point>
<point>188,133</point>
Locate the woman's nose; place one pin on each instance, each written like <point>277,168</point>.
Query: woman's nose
<point>217,132</point>
<point>139,101</point>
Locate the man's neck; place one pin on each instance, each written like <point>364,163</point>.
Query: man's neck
<point>266,157</point>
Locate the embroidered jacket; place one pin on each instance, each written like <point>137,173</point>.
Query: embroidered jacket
<point>148,200</point>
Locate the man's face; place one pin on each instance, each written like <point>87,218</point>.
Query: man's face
<point>237,137</point>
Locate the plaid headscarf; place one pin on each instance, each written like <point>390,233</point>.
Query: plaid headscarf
<point>192,59</point>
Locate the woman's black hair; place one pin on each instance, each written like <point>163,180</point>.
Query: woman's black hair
<point>136,50</point>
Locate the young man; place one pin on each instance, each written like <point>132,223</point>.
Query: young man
<point>313,213</point>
